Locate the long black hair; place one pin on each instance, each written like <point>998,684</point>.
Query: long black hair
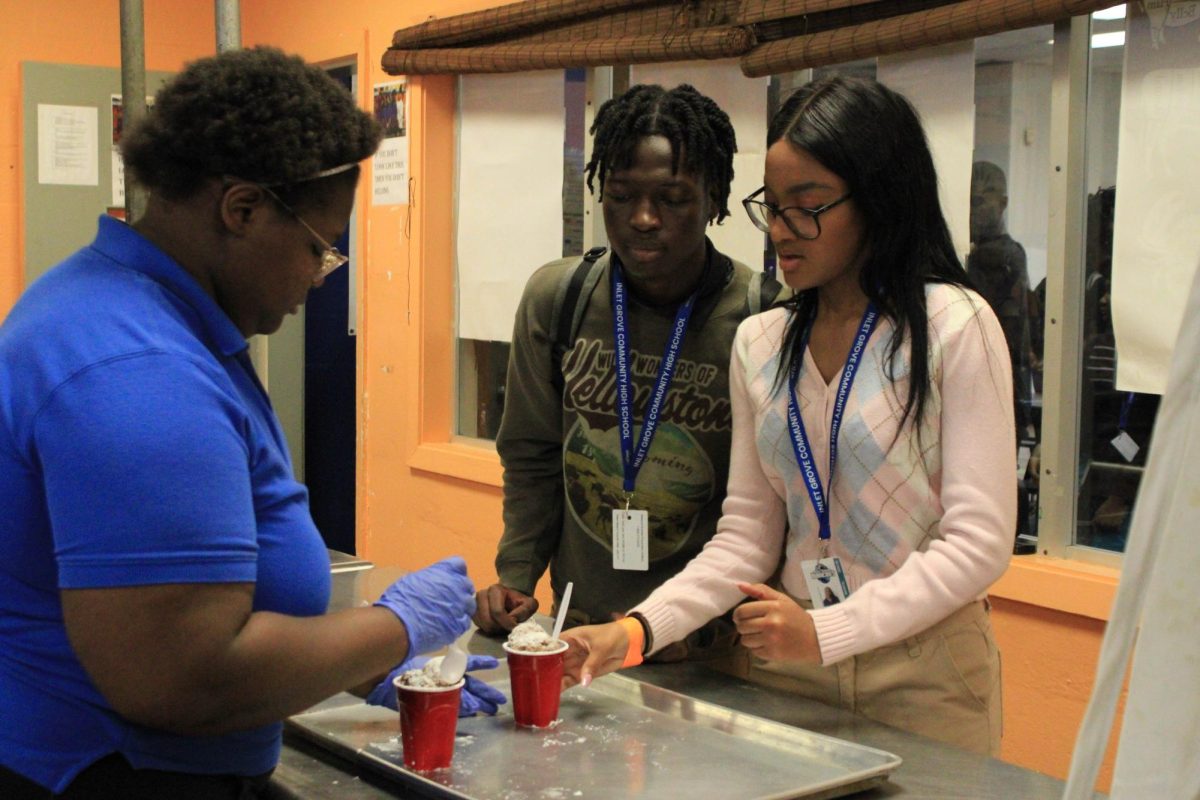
<point>696,127</point>
<point>871,137</point>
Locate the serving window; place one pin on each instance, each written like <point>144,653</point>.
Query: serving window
<point>1035,227</point>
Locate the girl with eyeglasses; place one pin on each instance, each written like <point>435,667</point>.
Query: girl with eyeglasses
<point>871,492</point>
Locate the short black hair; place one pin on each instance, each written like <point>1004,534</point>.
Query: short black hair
<point>257,114</point>
<point>695,126</point>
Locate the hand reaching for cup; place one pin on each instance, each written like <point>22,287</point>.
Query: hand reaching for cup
<point>594,650</point>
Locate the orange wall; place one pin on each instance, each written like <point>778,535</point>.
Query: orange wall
<point>407,516</point>
<point>1049,661</point>
<point>56,31</point>
<point>422,497</point>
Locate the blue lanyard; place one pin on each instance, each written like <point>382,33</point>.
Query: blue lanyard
<point>1123,421</point>
<point>812,478</point>
<point>632,460</point>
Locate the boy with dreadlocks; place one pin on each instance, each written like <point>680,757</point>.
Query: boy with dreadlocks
<point>615,470</point>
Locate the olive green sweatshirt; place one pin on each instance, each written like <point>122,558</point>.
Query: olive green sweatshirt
<point>561,452</point>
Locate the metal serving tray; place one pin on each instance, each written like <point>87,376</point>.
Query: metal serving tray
<point>617,738</point>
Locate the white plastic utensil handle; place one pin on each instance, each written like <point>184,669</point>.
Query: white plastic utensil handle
<point>562,611</point>
<point>454,663</point>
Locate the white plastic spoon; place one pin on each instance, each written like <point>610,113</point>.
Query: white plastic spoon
<point>562,612</point>
<point>454,663</point>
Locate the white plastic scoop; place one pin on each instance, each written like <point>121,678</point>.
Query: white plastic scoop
<point>454,663</point>
<point>562,612</point>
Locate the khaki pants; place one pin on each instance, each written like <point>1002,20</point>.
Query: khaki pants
<point>943,683</point>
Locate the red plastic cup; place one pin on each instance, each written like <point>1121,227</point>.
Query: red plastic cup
<point>428,721</point>
<point>536,680</point>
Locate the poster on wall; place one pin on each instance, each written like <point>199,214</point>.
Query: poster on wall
<point>118,164</point>
<point>67,147</point>
<point>389,184</point>
<point>1156,241</point>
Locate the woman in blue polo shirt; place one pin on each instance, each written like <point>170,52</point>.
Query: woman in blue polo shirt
<point>162,585</point>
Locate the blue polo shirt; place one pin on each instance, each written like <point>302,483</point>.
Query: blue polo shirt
<point>136,447</point>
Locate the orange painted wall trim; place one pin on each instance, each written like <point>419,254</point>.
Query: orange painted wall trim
<point>477,463</point>
<point>1049,663</point>
<point>1059,585</point>
<point>433,177</point>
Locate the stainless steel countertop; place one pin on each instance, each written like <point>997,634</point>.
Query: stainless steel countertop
<point>930,769</point>
<point>344,562</point>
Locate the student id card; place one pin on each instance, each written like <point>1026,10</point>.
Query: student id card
<point>826,581</point>
<point>631,539</point>
<point>1126,446</point>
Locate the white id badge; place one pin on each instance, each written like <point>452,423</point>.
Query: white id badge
<point>826,581</point>
<point>1023,456</point>
<point>631,539</point>
<point>1126,446</point>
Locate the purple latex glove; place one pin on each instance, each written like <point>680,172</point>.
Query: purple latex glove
<point>435,604</point>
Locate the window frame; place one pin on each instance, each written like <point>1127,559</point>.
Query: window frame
<point>439,450</point>
<point>1061,390</point>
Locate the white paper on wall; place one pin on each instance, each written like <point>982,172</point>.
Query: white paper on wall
<point>509,205</point>
<point>389,166</point>
<point>940,83</point>
<point>117,173</point>
<point>745,101</point>
<point>68,146</point>
<point>1156,236</point>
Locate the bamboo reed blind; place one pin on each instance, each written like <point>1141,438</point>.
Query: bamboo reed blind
<point>768,36</point>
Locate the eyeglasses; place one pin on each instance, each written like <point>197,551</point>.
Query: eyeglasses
<point>805,223</point>
<point>331,257</point>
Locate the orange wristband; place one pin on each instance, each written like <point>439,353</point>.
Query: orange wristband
<point>637,640</point>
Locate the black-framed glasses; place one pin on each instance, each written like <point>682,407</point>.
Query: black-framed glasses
<point>805,223</point>
<point>331,257</point>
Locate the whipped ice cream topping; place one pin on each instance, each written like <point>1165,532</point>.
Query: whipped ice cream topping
<point>532,638</point>
<point>426,677</point>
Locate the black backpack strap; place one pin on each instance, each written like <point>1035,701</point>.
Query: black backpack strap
<point>565,312</point>
<point>763,292</point>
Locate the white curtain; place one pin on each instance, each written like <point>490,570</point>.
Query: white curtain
<point>1156,238</point>
<point>509,212</point>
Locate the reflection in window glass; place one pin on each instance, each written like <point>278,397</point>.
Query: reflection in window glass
<point>1008,223</point>
<point>482,366</point>
<point>1115,426</point>
<point>575,99</point>
<point>866,68</point>
<point>785,83</point>
<point>481,370</point>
